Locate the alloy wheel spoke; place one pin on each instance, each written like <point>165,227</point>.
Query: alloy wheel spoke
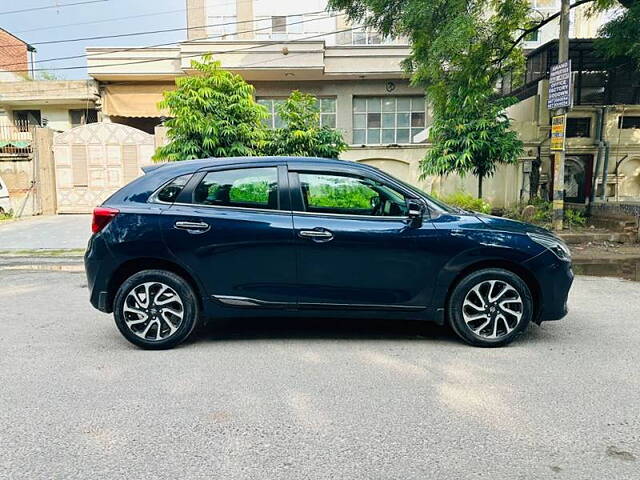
<point>481,327</point>
<point>476,317</point>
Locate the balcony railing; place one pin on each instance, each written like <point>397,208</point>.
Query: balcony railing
<point>16,138</point>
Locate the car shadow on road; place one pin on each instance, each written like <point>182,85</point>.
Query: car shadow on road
<point>323,328</point>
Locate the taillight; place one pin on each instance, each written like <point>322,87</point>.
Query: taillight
<point>101,217</point>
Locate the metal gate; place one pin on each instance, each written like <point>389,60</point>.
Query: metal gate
<point>93,161</point>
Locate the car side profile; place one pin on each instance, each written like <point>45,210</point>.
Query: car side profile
<point>310,237</point>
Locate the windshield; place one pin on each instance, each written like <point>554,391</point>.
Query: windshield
<point>438,203</point>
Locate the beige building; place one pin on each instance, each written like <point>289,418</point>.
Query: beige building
<point>282,45</point>
<point>25,106</point>
<point>602,130</point>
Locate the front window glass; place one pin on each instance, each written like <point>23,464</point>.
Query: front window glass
<point>246,187</point>
<point>324,193</point>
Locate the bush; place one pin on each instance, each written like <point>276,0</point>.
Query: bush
<point>466,202</point>
<point>543,215</point>
<point>574,218</point>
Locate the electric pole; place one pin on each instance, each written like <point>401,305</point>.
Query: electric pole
<point>558,164</point>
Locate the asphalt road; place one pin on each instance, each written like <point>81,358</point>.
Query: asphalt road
<point>318,399</point>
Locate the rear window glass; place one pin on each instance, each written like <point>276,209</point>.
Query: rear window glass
<point>246,187</point>
<point>170,191</point>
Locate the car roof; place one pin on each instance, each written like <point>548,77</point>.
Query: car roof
<point>188,166</point>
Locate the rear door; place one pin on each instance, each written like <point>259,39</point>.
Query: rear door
<point>232,227</point>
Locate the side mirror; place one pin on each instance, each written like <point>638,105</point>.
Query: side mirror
<point>416,211</point>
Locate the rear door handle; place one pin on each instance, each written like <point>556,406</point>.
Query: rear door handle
<point>193,227</point>
<point>316,234</point>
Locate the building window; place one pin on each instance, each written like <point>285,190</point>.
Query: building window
<point>363,36</point>
<point>387,120</point>
<point>221,20</point>
<point>24,119</point>
<point>279,24</point>
<point>83,116</point>
<point>629,122</point>
<point>326,105</point>
<point>579,127</point>
<point>532,36</point>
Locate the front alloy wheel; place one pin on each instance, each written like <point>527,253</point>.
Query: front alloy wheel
<point>490,307</point>
<point>155,309</point>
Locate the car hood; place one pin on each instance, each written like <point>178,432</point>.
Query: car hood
<point>511,226</point>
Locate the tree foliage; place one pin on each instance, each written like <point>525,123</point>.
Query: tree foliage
<point>302,134</point>
<point>472,135</point>
<point>458,55</point>
<point>213,114</point>
<point>620,37</point>
<point>460,49</point>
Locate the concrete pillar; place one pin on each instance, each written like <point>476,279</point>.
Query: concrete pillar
<point>244,13</point>
<point>196,19</point>
<point>160,136</point>
<point>45,172</point>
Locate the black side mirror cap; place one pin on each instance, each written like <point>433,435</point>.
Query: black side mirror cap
<point>416,209</point>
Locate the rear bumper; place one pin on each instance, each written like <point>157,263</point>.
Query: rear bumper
<point>98,265</point>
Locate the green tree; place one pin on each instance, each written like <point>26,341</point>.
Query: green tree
<point>213,114</point>
<point>460,49</point>
<point>620,37</point>
<point>302,134</point>
<point>472,135</point>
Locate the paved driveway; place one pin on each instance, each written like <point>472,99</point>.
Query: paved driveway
<point>48,232</point>
<point>274,399</point>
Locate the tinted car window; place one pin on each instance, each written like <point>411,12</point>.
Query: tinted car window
<point>170,191</point>
<point>246,187</point>
<point>324,193</point>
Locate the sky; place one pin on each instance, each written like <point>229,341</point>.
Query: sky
<point>106,17</point>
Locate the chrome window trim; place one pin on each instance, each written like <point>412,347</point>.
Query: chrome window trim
<point>287,212</point>
<point>372,217</point>
<point>231,207</point>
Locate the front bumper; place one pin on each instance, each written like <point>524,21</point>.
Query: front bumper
<point>555,278</point>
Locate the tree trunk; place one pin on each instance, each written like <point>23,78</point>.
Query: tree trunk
<point>534,178</point>
<point>480,177</point>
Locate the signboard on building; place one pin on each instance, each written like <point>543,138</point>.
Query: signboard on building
<point>558,127</point>
<point>560,91</point>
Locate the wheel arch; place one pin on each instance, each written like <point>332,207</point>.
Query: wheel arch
<point>131,267</point>
<point>528,278</point>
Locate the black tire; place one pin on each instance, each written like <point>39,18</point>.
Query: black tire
<point>482,279</point>
<point>189,309</point>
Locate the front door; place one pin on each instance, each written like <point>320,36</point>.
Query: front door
<point>234,230</point>
<point>356,246</point>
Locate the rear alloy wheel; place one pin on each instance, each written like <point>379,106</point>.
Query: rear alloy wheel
<point>490,308</point>
<point>155,309</point>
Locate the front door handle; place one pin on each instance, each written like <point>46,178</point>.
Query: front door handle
<point>318,235</point>
<point>193,227</point>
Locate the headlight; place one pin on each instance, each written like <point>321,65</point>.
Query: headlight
<point>555,245</point>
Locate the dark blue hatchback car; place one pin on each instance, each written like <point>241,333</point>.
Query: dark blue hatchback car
<point>309,237</point>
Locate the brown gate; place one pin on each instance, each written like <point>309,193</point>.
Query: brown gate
<point>93,161</point>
